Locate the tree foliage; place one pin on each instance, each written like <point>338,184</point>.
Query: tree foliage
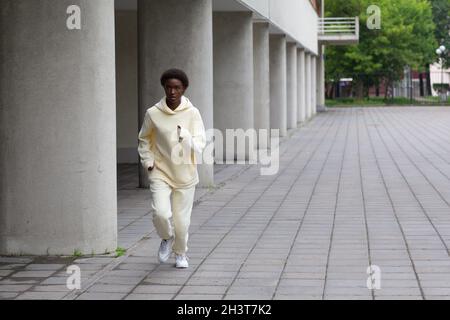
<point>441,17</point>
<point>406,38</point>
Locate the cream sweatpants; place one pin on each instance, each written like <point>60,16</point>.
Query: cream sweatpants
<point>179,208</point>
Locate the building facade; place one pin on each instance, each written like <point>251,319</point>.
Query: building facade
<point>77,76</point>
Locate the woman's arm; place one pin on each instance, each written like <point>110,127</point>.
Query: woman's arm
<point>145,143</point>
<point>197,140</point>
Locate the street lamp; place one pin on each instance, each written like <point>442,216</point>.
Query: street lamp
<point>440,52</point>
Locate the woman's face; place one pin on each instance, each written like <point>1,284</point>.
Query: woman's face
<point>174,89</point>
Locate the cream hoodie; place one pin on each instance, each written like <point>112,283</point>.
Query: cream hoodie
<point>158,138</point>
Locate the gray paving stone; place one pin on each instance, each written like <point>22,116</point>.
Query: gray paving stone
<point>11,266</point>
<point>315,291</point>
<point>203,290</point>
<point>127,273</point>
<point>120,280</point>
<point>390,173</point>
<point>246,297</point>
<point>101,296</point>
<point>198,297</point>
<point>301,282</point>
<point>19,281</point>
<point>137,266</point>
<point>8,295</point>
<point>15,288</point>
<point>51,288</point>
<point>41,296</point>
<point>437,291</point>
<point>200,281</point>
<point>348,297</point>
<point>350,291</point>
<point>55,281</point>
<point>139,296</point>
<point>397,291</point>
<point>279,296</point>
<point>44,267</point>
<point>20,260</point>
<point>157,289</point>
<point>399,297</point>
<point>251,290</point>
<point>111,288</point>
<point>33,274</point>
<point>5,273</point>
<point>438,297</point>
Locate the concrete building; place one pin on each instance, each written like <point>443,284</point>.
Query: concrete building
<point>77,76</point>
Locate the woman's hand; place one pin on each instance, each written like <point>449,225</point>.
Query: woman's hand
<point>180,139</point>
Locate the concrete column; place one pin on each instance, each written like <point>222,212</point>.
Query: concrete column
<point>261,67</point>
<point>233,81</point>
<point>321,80</point>
<point>177,34</point>
<point>278,90</point>
<point>308,86</point>
<point>58,190</point>
<point>314,84</point>
<point>301,92</point>
<point>291,65</point>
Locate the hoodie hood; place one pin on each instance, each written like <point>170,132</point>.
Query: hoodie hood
<point>185,104</point>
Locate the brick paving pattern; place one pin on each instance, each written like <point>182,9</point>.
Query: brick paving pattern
<point>356,187</point>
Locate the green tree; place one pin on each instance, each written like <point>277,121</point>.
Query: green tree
<point>406,38</point>
<point>441,18</point>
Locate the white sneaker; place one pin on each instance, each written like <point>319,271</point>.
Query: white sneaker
<point>165,250</point>
<point>182,261</point>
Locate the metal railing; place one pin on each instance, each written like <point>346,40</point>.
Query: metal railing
<point>338,26</point>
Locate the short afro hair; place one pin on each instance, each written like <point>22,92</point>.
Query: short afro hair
<point>175,74</point>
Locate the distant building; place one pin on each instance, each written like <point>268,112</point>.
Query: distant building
<point>437,76</point>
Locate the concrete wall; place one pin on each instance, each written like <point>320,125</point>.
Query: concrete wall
<point>127,86</point>
<point>262,7</point>
<point>293,17</point>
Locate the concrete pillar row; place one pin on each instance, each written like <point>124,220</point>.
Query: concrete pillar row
<point>301,84</point>
<point>58,177</point>
<point>233,82</point>
<point>186,45</point>
<point>261,67</point>
<point>278,89</point>
<point>291,68</point>
<point>308,80</point>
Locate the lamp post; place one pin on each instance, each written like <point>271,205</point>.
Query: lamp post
<point>440,52</point>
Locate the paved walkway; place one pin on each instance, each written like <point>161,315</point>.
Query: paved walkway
<point>356,187</point>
